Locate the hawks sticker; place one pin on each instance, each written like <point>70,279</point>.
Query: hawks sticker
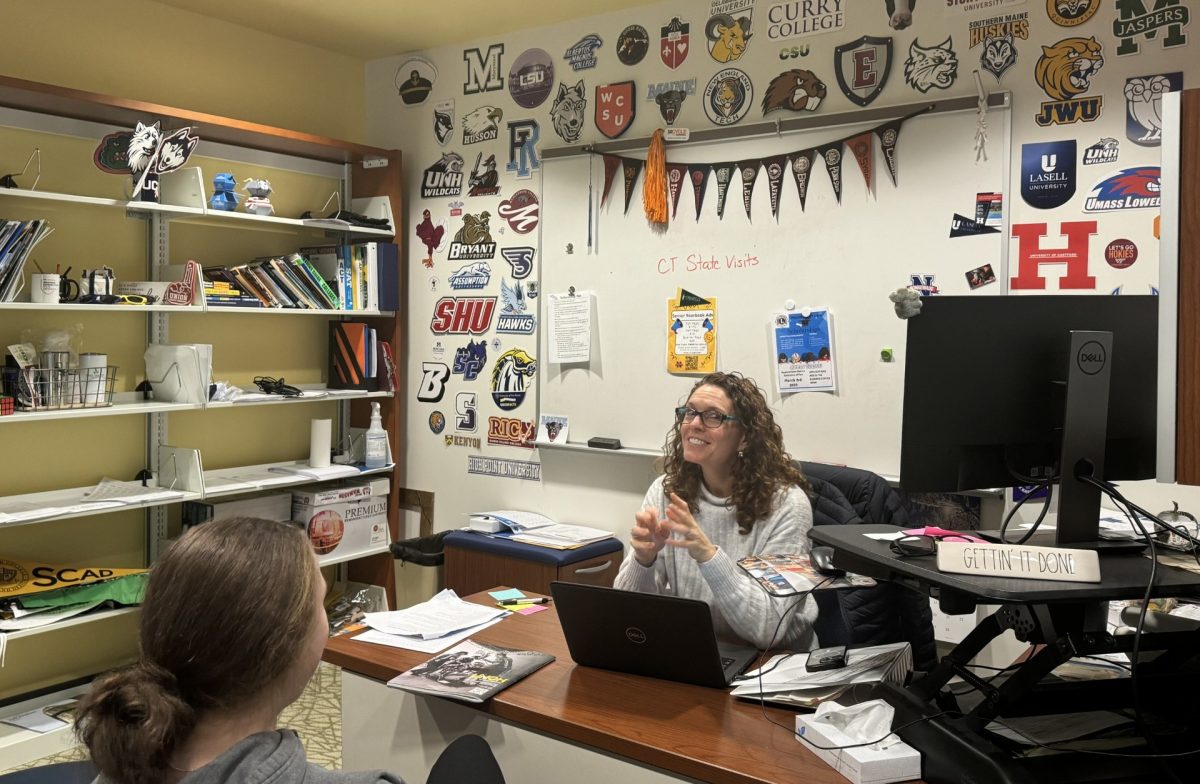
<point>523,136</point>
<point>484,74</point>
<point>1107,150</point>
<point>471,277</point>
<point>728,29</point>
<point>513,320</point>
<point>674,42</point>
<point>520,259</point>
<point>1071,13</point>
<point>566,113</point>
<point>444,177</point>
<point>521,210</point>
<point>531,78</point>
<point>582,55</point>
<point>474,239</point>
<point>615,108</point>
<point>1129,189</point>
<point>504,431</point>
<point>728,96</point>
<point>931,66</point>
<point>511,376</point>
<point>998,36</point>
<point>632,44</point>
<point>482,124</point>
<point>462,316</point>
<point>862,68</point>
<point>1164,22</point>
<point>795,90</point>
<point>1143,106</point>
<point>469,360</point>
<point>1065,71</point>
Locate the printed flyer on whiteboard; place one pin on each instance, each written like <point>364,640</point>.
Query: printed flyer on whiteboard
<point>804,352</point>
<point>691,334</point>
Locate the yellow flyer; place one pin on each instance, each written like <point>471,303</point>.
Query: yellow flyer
<point>691,334</point>
<point>21,578</point>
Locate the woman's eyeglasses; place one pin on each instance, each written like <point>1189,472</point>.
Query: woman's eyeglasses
<point>711,419</point>
<point>923,544</point>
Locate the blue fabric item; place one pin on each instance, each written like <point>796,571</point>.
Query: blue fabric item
<point>528,552</point>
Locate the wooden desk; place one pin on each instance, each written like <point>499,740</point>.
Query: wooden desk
<point>591,722</point>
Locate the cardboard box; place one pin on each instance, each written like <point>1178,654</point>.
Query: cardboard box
<point>272,506</point>
<point>344,528</point>
<point>862,765</point>
<point>319,495</point>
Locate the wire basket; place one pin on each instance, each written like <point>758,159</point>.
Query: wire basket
<point>56,389</point>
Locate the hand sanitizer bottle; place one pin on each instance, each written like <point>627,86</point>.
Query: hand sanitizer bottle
<point>376,451</point>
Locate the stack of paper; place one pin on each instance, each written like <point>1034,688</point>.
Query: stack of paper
<point>784,678</point>
<point>430,626</point>
<point>535,529</point>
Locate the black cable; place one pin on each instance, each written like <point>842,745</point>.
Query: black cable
<point>1036,523</point>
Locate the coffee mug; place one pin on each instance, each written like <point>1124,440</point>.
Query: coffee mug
<point>68,290</point>
<point>45,287</point>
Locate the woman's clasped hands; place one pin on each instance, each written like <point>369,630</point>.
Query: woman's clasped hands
<point>651,534</point>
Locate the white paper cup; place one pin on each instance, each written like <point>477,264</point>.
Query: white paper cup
<point>320,443</point>
<point>45,287</point>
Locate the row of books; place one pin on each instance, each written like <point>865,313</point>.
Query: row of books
<point>17,241</point>
<point>358,359</point>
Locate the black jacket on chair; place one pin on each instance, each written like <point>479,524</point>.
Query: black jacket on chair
<point>867,616</point>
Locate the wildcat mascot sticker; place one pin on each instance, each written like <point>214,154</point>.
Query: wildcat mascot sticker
<point>1065,71</point>
<point>932,66</point>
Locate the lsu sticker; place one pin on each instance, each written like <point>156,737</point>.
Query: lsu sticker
<point>521,210</point>
<point>1031,256</point>
<point>486,182</point>
<point>615,108</point>
<point>520,259</point>
<point>632,44</point>
<point>444,177</point>
<point>504,431</point>
<point>484,71</point>
<point>798,19</point>
<point>922,284</point>
<point>462,316</point>
<point>1120,254</point>
<point>796,90</point>
<point>1135,20</point>
<point>513,319</point>
<point>728,96</point>
<point>474,239</point>
<point>862,68</point>
<point>443,121</point>
<point>511,376</point>
<point>523,136</point>
<point>1064,72</point>
<point>531,78</point>
<point>567,111</point>
<point>414,80</point>
<point>466,412</point>
<point>728,29</point>
<point>1129,189</point>
<point>433,382</point>
<point>582,55</point>
<point>1107,150</point>
<point>931,66</point>
<point>482,124</point>
<point>1048,173</point>
<point>1143,106</point>
<point>674,42</point>
<point>998,36</point>
<point>505,469</point>
<point>471,277</point>
<point>469,360</point>
<point>437,422</point>
<point>1071,13</point>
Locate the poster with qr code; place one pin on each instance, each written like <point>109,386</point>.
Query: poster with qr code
<point>691,334</point>
<point>804,352</point>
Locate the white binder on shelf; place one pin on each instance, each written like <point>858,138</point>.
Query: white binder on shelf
<point>179,373</point>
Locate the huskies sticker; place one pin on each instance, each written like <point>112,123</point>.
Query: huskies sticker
<point>1065,71</point>
<point>462,316</point>
<point>471,277</point>
<point>1162,22</point>
<point>583,54</point>
<point>728,29</point>
<point>998,38</point>
<point>481,125</point>
<point>674,43</point>
<point>1143,106</point>
<point>513,320</point>
<point>615,108</point>
<point>1071,13</point>
<point>531,78</point>
<point>1048,174</point>
<point>862,68</point>
<point>484,73</point>
<point>566,113</point>
<point>521,211</point>
<point>1107,150</point>
<point>632,44</point>
<point>474,239</point>
<point>796,90</point>
<point>523,137</point>
<point>470,359</point>
<point>1129,189</point>
<point>433,382</point>
<point>414,80</point>
<point>930,66</point>
<point>511,376</point>
<point>444,177</point>
<point>728,96</point>
<point>520,259</point>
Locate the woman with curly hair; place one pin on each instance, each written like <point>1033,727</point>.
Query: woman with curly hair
<point>729,490</point>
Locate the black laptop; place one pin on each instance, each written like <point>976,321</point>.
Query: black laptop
<point>646,634</point>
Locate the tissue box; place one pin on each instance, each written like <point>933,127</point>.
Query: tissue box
<point>862,765</point>
<point>344,528</point>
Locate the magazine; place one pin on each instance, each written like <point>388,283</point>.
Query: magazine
<point>470,671</point>
<point>788,575</point>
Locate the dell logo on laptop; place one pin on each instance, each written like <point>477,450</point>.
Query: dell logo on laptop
<point>1091,358</point>
<point>635,635</point>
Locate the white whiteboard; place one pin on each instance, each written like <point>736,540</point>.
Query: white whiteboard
<point>846,258</point>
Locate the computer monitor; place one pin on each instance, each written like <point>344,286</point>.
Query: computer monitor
<point>986,397</point>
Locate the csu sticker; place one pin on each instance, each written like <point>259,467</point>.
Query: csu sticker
<point>1048,173</point>
<point>1129,189</point>
<point>511,377</point>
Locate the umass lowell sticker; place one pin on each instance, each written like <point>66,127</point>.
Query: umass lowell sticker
<point>1129,189</point>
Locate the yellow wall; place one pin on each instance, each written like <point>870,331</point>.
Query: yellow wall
<point>152,52</point>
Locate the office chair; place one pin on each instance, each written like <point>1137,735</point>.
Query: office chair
<point>83,772</point>
<point>467,758</point>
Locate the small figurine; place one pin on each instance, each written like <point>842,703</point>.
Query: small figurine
<point>223,197</point>
<point>258,203</point>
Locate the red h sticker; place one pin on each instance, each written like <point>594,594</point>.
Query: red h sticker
<point>1031,255</point>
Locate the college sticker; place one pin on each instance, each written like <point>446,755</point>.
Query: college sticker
<point>931,66</point>
<point>798,19</point>
<point>567,111</point>
<point>674,43</point>
<point>1048,173</point>
<point>1129,189</point>
<point>513,318</point>
<point>484,70</point>
<point>462,316</point>
<point>511,377</point>
<point>443,121</point>
<point>506,431</point>
<point>1064,72</point>
<point>728,30</point>
<point>728,96</point>
<point>469,360</point>
<point>582,55</point>
<point>1120,253</point>
<point>523,137</point>
<point>1143,106</point>
<point>669,96</point>
<point>862,68</point>
<point>531,78</point>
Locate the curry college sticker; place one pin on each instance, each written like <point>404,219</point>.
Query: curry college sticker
<point>1048,174</point>
<point>728,96</point>
<point>862,68</point>
<point>511,376</point>
<point>1064,72</point>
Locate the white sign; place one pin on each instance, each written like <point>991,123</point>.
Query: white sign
<point>1019,561</point>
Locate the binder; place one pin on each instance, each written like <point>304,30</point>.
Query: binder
<point>349,353</point>
<point>385,260</point>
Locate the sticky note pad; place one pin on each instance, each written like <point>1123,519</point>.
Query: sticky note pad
<point>510,593</point>
<point>530,609</point>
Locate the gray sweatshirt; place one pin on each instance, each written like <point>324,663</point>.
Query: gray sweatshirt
<point>742,610</point>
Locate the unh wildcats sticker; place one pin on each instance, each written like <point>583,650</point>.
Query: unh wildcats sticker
<point>1107,150</point>
<point>444,177</point>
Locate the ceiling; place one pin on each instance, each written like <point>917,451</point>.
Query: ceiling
<point>367,29</point>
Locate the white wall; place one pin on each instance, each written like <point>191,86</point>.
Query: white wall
<point>605,489</point>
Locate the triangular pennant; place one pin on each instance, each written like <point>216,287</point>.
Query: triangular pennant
<point>698,174</point>
<point>632,167</point>
<point>611,162</point>
<point>889,134</point>
<point>802,163</point>
<point>749,170</point>
<point>962,226</point>
<point>832,155</point>
<point>863,149</point>
<point>676,172</point>
<point>774,167</point>
<point>689,300</point>
<point>723,172</point>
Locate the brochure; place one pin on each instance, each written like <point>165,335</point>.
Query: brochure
<point>470,671</point>
<point>788,575</point>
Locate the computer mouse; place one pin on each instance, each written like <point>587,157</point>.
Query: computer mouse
<point>822,560</point>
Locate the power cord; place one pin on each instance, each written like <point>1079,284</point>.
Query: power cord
<point>275,386</point>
